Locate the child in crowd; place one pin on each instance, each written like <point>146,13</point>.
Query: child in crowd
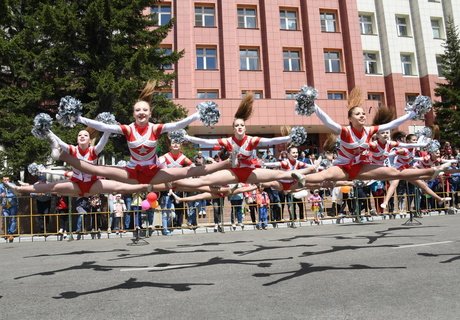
<point>119,207</point>
<point>316,205</point>
<point>263,202</point>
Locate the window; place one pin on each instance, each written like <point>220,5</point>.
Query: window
<point>249,59</point>
<point>436,28</point>
<point>257,94</point>
<point>206,58</point>
<point>331,95</point>
<point>370,62</point>
<point>401,25</point>
<point>204,16</point>
<point>166,52</point>
<point>291,60</point>
<point>328,21</point>
<point>207,94</point>
<point>288,19</point>
<point>375,96</point>
<point>165,93</point>
<point>247,18</point>
<point>440,66</point>
<point>406,64</point>
<point>290,95</point>
<point>332,61</point>
<point>163,13</point>
<point>410,97</point>
<point>365,23</point>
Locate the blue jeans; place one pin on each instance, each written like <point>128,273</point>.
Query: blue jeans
<point>263,216</point>
<point>137,216</point>
<point>128,212</point>
<point>80,219</point>
<point>167,204</point>
<point>237,209</point>
<point>193,207</point>
<point>11,213</point>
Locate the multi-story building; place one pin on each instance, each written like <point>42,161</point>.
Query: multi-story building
<point>389,49</point>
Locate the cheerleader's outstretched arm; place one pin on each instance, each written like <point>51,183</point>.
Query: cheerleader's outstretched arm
<point>102,142</point>
<point>201,141</point>
<point>64,146</point>
<point>100,126</point>
<point>396,122</point>
<point>181,124</point>
<point>265,142</point>
<point>324,117</point>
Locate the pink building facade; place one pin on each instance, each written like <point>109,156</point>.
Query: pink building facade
<point>389,49</point>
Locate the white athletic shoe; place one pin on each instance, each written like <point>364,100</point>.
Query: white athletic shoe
<point>299,178</point>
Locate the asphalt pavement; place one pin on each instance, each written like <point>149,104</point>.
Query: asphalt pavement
<point>375,270</point>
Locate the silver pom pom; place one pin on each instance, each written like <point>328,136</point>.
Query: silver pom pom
<point>209,113</point>
<point>177,136</point>
<point>107,118</point>
<point>35,169</point>
<point>69,111</point>
<point>425,132</point>
<point>298,135</point>
<point>305,101</point>
<point>122,163</point>
<point>42,125</point>
<point>420,107</point>
<point>433,146</point>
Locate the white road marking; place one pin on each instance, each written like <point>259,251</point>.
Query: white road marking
<point>157,268</point>
<point>422,244</point>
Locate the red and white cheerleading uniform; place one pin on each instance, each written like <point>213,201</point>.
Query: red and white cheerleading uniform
<point>179,160</point>
<point>142,143</point>
<point>247,161</point>
<point>353,149</point>
<point>404,158</point>
<point>290,165</point>
<point>83,180</point>
<point>378,152</point>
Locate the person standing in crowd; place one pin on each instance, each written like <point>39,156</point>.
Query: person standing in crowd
<point>128,199</point>
<point>236,201</point>
<point>250,199</point>
<point>82,206</point>
<point>119,208</point>
<point>263,203</point>
<point>9,203</point>
<point>136,207</point>
<point>316,205</point>
<point>61,209</point>
<point>95,204</point>
<point>43,201</point>
<point>199,159</point>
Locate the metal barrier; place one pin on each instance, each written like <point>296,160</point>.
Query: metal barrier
<point>72,224</point>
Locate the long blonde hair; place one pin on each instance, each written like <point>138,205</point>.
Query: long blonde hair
<point>148,91</point>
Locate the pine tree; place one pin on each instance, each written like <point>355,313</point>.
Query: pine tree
<point>99,51</point>
<point>448,109</point>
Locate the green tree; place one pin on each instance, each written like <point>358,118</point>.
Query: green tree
<point>99,51</point>
<point>448,109</point>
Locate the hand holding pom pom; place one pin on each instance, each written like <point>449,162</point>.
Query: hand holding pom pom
<point>35,169</point>
<point>209,114</point>
<point>298,135</point>
<point>177,136</point>
<point>419,107</point>
<point>305,101</point>
<point>69,111</point>
<point>42,125</point>
<point>107,118</point>
<point>433,146</point>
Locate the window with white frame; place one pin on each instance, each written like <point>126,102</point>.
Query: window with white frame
<point>291,60</point>
<point>440,66</point>
<point>410,97</point>
<point>366,24</point>
<point>332,61</point>
<point>249,59</point>
<point>436,28</point>
<point>407,64</point>
<point>288,19</point>
<point>328,21</point>
<point>290,95</point>
<point>375,96</point>
<point>247,18</point>
<point>336,95</point>
<point>204,16</point>
<point>168,94</point>
<point>371,62</point>
<point>402,26</point>
<point>165,52</point>
<point>206,58</point>
<point>207,94</point>
<point>162,12</point>
<point>258,94</point>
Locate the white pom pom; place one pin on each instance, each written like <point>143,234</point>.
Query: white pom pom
<point>305,101</point>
